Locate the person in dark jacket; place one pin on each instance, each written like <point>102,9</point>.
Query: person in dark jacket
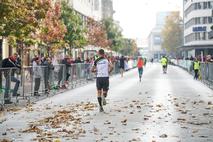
<point>122,65</point>
<point>67,65</point>
<point>78,60</point>
<point>10,64</point>
<point>47,68</point>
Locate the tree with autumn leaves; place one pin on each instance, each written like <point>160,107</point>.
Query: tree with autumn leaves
<point>114,34</point>
<point>108,34</point>
<point>75,35</point>
<point>129,47</point>
<point>96,34</point>
<point>172,33</point>
<point>30,22</point>
<point>51,31</point>
<point>53,25</point>
<point>20,19</point>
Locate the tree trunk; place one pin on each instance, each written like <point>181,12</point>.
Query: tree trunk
<point>70,50</point>
<point>22,61</point>
<point>1,57</point>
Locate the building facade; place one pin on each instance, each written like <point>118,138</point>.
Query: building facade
<point>198,18</point>
<point>143,50</point>
<point>96,9</point>
<point>107,9</point>
<point>155,38</point>
<point>87,8</point>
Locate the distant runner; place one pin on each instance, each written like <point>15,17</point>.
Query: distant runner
<point>152,60</point>
<point>140,65</point>
<point>164,63</point>
<point>102,67</point>
<point>122,65</point>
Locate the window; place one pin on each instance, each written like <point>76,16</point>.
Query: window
<point>197,20</point>
<point>205,5</point>
<point>203,36</point>
<point>190,37</point>
<point>198,36</point>
<point>157,40</point>
<point>209,5</point>
<point>209,20</point>
<point>205,20</point>
<point>198,6</point>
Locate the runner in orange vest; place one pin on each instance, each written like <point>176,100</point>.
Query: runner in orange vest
<point>140,67</point>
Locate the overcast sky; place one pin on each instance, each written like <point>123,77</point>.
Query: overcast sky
<point>137,17</point>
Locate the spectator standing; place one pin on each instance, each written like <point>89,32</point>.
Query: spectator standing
<point>37,75</point>
<point>47,67</point>
<point>67,65</point>
<point>126,66</point>
<point>11,66</point>
<point>122,65</point>
<point>61,76</point>
<point>191,58</point>
<point>78,60</point>
<point>87,68</point>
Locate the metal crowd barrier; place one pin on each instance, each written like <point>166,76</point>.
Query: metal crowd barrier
<point>34,82</point>
<point>51,81</point>
<point>7,84</point>
<point>42,81</point>
<point>185,64</point>
<point>79,73</point>
<point>206,70</point>
<point>47,78</point>
<point>207,73</point>
<point>116,69</point>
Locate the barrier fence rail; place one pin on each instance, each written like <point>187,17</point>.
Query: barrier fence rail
<point>206,70</point>
<point>35,83</point>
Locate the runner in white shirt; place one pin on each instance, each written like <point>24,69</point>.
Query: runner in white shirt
<point>102,67</point>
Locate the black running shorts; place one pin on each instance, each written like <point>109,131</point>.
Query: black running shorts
<point>102,83</point>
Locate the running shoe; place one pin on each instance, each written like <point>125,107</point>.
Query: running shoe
<point>101,109</point>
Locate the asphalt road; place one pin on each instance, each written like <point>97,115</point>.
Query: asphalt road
<point>168,107</point>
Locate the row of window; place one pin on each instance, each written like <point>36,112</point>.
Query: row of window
<point>196,37</point>
<point>198,21</point>
<point>198,6</point>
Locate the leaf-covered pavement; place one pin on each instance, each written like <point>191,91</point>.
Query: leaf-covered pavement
<point>180,112</point>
